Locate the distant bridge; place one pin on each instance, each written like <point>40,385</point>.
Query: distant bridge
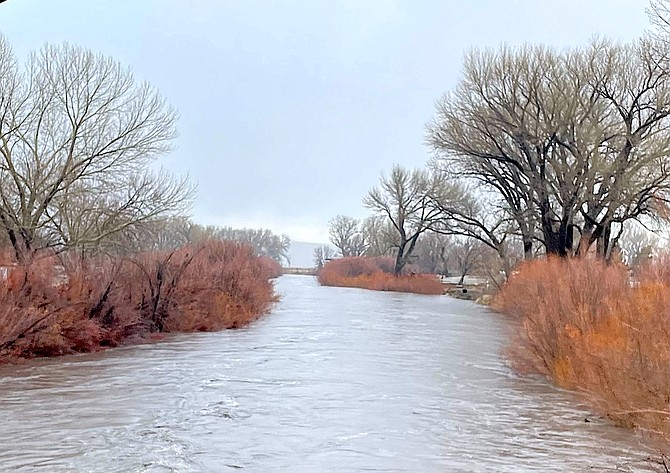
<point>301,271</point>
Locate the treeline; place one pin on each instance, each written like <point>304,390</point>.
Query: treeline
<point>536,151</point>
<point>98,248</point>
<point>176,232</point>
<point>433,253</point>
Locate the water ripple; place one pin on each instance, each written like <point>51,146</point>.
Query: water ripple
<point>337,380</point>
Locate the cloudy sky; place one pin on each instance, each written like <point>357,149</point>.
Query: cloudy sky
<point>290,110</point>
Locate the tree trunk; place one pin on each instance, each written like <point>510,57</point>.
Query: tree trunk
<point>553,244</point>
<point>404,252</point>
<point>399,260</point>
<point>504,261</point>
<point>590,235</point>
<point>585,242</point>
<point>527,248</point>
<point>603,243</point>
<point>21,245</point>
<point>460,281</point>
<point>557,242</point>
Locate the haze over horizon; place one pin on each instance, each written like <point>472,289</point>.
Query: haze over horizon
<point>291,110</point>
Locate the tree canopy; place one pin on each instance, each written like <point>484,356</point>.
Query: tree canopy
<point>571,142</point>
<point>78,135</point>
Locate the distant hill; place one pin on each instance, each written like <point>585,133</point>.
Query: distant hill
<point>301,254</point>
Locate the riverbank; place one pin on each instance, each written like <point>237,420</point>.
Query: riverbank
<point>56,306</point>
<point>586,327</point>
<point>376,274</point>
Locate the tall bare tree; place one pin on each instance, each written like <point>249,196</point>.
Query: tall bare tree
<point>78,135</point>
<point>629,172</point>
<point>404,197</point>
<point>571,142</point>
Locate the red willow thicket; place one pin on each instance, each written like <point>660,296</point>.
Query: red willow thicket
<point>376,274</point>
<point>54,307</point>
<point>591,328</point>
<point>271,267</point>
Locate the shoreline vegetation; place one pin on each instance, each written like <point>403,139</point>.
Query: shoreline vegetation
<point>57,306</point>
<point>376,274</point>
<point>591,328</point>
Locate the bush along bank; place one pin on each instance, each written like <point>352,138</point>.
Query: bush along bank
<point>55,306</point>
<point>587,327</point>
<point>376,274</point>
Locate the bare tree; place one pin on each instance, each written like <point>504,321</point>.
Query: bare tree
<point>467,254</point>
<point>637,245</point>
<point>322,254</point>
<point>89,222</point>
<point>482,219</point>
<point>346,235</point>
<point>77,137</point>
<point>630,174</point>
<point>659,15</point>
<point>571,142</point>
<point>379,234</point>
<point>405,198</point>
<point>432,253</point>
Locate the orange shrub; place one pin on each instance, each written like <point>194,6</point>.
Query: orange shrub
<point>585,325</point>
<point>47,309</point>
<point>271,267</point>
<point>45,312</point>
<point>355,266</point>
<point>224,286</point>
<point>210,286</point>
<point>376,274</point>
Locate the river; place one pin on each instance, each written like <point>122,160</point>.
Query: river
<point>334,380</point>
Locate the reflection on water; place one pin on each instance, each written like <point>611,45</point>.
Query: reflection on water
<point>335,380</point>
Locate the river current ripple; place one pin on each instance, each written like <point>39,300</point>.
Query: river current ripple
<point>334,380</point>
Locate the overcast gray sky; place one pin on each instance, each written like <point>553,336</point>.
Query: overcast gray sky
<point>290,110</point>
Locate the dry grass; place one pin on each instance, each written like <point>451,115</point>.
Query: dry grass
<point>376,274</point>
<point>583,324</point>
<point>49,309</point>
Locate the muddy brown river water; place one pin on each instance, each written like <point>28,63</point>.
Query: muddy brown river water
<point>334,380</point>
